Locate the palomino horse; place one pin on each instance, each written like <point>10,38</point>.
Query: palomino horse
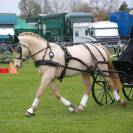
<point>54,61</point>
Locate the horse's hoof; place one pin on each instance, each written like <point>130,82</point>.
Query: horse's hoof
<point>122,102</point>
<point>28,114</point>
<point>72,108</point>
<point>81,108</point>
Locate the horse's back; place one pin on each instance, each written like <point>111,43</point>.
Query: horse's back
<point>81,52</point>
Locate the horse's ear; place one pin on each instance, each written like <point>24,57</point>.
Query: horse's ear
<point>16,39</point>
<point>11,37</point>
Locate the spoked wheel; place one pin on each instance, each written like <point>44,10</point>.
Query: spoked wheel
<point>128,91</point>
<point>101,91</point>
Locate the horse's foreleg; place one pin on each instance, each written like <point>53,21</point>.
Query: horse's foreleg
<point>87,83</point>
<point>63,100</point>
<point>45,81</point>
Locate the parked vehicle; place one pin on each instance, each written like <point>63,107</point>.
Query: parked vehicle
<point>124,21</point>
<point>103,31</point>
<point>59,27</point>
<point>7,22</point>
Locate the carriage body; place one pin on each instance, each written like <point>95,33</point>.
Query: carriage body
<point>124,68</point>
<point>101,90</point>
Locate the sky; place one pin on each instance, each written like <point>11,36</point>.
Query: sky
<point>130,3</point>
<point>11,6</point>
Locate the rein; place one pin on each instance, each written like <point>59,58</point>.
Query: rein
<point>67,57</point>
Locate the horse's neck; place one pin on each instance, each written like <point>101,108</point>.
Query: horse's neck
<point>36,45</point>
<point>39,47</point>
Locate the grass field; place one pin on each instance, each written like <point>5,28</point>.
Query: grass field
<point>17,93</point>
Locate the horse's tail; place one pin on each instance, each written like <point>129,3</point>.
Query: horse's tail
<point>113,75</point>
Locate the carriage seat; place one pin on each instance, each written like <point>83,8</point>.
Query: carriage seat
<point>125,68</point>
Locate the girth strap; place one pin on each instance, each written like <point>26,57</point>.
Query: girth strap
<point>46,62</point>
<point>67,57</point>
<point>55,64</point>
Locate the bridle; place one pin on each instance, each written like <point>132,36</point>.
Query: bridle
<point>17,47</point>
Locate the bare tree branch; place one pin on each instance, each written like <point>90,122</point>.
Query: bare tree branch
<point>29,8</point>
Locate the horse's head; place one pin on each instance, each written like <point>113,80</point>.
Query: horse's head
<point>20,50</point>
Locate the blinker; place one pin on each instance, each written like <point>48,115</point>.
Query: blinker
<point>16,48</point>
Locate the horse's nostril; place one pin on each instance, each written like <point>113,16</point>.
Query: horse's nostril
<point>17,66</point>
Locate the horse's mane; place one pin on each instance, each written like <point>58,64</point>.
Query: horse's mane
<point>31,34</point>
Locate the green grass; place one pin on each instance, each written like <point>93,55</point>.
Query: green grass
<point>18,91</point>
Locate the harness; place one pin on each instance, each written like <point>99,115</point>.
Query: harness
<point>95,59</point>
<point>67,58</point>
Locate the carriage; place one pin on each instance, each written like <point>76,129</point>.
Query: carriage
<point>101,91</point>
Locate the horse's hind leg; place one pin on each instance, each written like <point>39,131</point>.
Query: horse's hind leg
<point>118,86</point>
<point>115,85</point>
<point>87,83</point>
<point>114,81</point>
<point>63,100</point>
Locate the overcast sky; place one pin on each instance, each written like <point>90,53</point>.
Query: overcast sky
<point>11,6</point>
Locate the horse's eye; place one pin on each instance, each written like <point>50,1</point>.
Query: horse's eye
<point>16,49</point>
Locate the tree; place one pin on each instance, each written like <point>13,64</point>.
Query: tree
<point>74,5</point>
<point>29,8</point>
<point>123,7</point>
<point>45,6</point>
<point>102,8</point>
<point>79,6</point>
<point>59,6</point>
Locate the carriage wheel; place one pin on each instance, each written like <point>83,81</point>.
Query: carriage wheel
<point>101,91</point>
<point>128,91</point>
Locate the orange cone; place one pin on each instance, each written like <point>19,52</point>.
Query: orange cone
<point>4,70</point>
<point>12,69</point>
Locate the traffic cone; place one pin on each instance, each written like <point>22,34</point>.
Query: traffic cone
<point>4,70</point>
<point>12,69</point>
